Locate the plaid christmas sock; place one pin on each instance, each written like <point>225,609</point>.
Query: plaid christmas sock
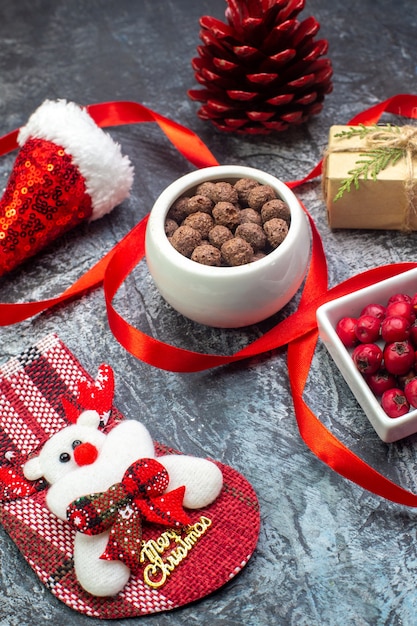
<point>177,565</point>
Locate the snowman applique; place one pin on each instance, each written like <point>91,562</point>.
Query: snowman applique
<point>107,485</point>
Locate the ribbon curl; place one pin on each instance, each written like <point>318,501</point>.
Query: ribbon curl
<point>139,496</point>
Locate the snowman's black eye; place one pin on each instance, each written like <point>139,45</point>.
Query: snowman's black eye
<point>64,457</point>
<point>76,443</point>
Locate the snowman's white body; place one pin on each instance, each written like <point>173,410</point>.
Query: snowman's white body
<point>126,443</point>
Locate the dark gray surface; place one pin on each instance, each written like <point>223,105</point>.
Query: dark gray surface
<point>329,553</point>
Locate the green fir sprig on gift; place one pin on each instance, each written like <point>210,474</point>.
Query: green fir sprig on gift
<point>363,131</point>
<point>375,160</point>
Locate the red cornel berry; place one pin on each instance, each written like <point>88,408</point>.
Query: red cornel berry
<point>395,403</point>
<point>386,355</point>
<point>400,308</point>
<point>346,331</point>
<point>374,309</point>
<point>413,334</point>
<point>381,381</point>
<point>410,391</point>
<point>367,358</point>
<point>399,357</point>
<point>367,328</point>
<point>395,328</point>
<point>399,297</point>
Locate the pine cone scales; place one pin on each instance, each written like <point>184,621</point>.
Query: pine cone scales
<point>263,70</point>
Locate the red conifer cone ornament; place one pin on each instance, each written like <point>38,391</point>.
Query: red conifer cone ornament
<point>262,71</point>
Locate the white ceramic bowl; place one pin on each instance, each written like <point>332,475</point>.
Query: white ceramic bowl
<point>227,297</point>
<point>388,429</point>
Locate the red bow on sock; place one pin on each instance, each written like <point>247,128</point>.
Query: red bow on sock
<point>139,496</point>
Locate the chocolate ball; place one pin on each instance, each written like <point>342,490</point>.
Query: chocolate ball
<point>258,256</point>
<point>202,222</point>
<point>276,230</point>
<point>185,239</point>
<point>275,208</point>
<point>219,234</point>
<point>225,192</point>
<point>250,215</point>
<point>259,195</point>
<point>207,189</point>
<point>243,187</point>
<point>178,210</point>
<point>199,203</point>
<point>170,227</point>
<point>253,234</point>
<point>226,214</point>
<point>207,255</point>
<point>236,252</point>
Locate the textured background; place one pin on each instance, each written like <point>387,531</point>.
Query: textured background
<point>329,553</point>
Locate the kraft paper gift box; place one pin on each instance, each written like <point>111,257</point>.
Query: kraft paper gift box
<point>384,196</point>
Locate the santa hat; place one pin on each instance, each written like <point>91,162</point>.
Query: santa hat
<point>67,170</point>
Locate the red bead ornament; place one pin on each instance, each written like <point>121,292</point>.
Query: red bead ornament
<point>262,71</point>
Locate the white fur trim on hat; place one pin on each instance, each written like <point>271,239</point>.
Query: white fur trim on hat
<point>108,175</point>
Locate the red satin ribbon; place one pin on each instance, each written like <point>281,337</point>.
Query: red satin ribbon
<point>298,331</point>
<point>301,351</point>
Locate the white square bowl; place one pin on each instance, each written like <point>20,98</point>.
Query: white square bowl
<point>389,429</point>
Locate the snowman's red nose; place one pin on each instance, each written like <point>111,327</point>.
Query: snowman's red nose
<point>85,453</point>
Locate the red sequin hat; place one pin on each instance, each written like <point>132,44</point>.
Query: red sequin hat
<point>67,170</point>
